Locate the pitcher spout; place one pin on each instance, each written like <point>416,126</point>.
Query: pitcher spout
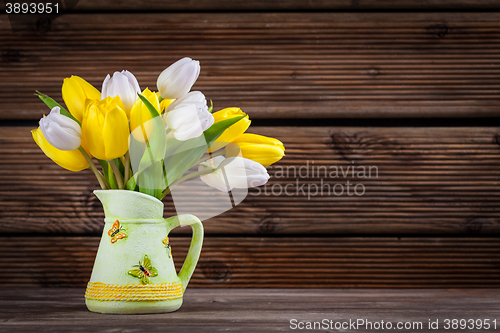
<point>133,205</point>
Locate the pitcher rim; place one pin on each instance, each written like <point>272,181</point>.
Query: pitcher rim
<point>144,195</point>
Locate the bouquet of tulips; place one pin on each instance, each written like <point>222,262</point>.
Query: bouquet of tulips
<point>148,141</point>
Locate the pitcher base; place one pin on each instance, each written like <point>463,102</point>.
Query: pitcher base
<point>141,307</point>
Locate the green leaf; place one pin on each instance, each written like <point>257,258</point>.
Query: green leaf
<point>184,158</point>
<point>151,180</point>
<point>51,104</point>
<point>147,159</point>
<point>190,151</point>
<point>110,177</point>
<point>151,108</point>
<point>108,174</point>
<point>218,129</point>
<point>131,183</point>
<point>119,164</point>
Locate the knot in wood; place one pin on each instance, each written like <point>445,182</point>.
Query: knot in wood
<point>215,270</point>
<point>440,30</point>
<point>43,25</point>
<point>497,139</point>
<point>268,224</point>
<point>474,225</point>
<point>12,56</point>
<point>373,72</point>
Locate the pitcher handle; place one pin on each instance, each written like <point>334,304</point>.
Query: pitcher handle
<point>194,249</point>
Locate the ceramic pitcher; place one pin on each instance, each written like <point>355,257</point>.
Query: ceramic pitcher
<point>134,271</point>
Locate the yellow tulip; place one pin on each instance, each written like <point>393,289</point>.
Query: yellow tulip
<point>258,148</point>
<point>232,132</point>
<point>75,93</point>
<point>164,104</point>
<point>72,160</point>
<point>140,116</point>
<point>105,128</point>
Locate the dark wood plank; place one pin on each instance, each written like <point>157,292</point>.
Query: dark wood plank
<point>273,65</point>
<point>278,262</point>
<point>440,181</point>
<point>289,5</point>
<point>255,310</point>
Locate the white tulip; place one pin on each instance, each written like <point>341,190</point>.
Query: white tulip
<point>176,81</point>
<point>60,131</point>
<point>123,84</point>
<point>191,97</point>
<point>237,172</point>
<point>188,117</point>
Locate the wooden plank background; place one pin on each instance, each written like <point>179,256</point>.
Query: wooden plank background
<point>273,65</point>
<point>430,219</point>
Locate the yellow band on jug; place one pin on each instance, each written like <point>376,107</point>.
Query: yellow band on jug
<point>133,292</point>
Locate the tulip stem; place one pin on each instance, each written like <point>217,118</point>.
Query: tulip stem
<point>127,167</point>
<point>210,156</point>
<point>98,174</point>
<point>118,176</point>
<point>186,177</point>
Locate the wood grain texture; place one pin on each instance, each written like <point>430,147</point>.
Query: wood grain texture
<point>273,65</point>
<point>440,181</point>
<point>255,310</point>
<point>306,262</point>
<point>287,5</point>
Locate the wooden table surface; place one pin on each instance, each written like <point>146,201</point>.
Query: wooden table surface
<point>253,310</point>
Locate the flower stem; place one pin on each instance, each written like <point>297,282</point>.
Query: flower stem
<point>127,167</point>
<point>100,178</point>
<point>210,156</point>
<point>186,177</point>
<point>118,176</point>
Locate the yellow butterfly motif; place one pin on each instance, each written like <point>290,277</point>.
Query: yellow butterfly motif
<point>144,270</point>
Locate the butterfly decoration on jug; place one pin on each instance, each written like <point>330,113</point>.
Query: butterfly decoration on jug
<point>144,270</point>
<point>116,232</point>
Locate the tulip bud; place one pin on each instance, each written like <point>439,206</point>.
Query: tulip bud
<point>188,117</point>
<point>75,93</point>
<point>177,80</point>
<point>70,160</point>
<point>105,129</point>
<point>258,148</point>
<point>123,84</point>
<point>60,131</point>
<point>140,116</point>
<point>190,98</point>
<point>232,132</point>
<point>237,172</point>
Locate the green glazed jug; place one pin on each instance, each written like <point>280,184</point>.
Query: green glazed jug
<point>134,271</point>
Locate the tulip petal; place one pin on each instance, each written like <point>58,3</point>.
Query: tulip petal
<point>141,116</point>
<point>115,133</point>
<point>71,160</point>
<point>75,92</point>
<point>177,79</point>
<point>259,148</point>
<point>235,172</point>
<point>232,132</point>
<point>60,131</point>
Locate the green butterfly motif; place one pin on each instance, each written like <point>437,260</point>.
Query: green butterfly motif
<point>144,270</point>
